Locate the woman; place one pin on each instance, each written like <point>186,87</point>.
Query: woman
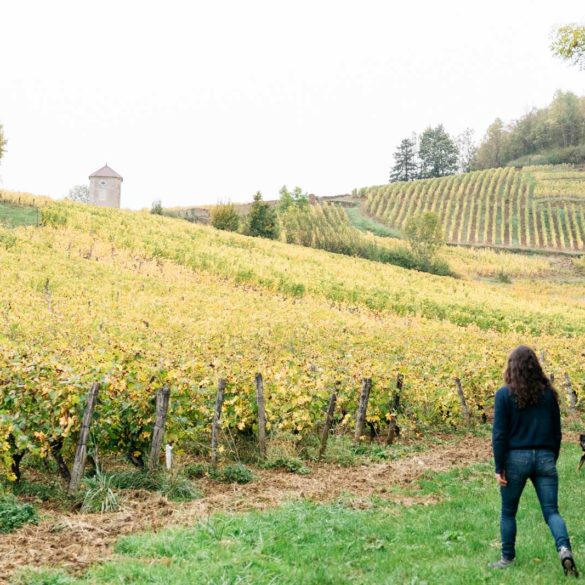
<point>526,441</point>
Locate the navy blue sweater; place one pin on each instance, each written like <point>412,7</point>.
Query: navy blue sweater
<point>533,427</point>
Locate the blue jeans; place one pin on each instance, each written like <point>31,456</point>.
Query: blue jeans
<point>538,465</point>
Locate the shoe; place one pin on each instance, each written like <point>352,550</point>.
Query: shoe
<point>501,564</point>
<point>567,561</point>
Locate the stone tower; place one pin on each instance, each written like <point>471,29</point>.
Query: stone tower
<point>104,187</point>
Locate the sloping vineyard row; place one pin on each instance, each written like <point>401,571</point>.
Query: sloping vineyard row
<point>503,207</point>
<point>74,308</point>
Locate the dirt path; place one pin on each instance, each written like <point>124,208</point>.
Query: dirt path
<point>74,541</point>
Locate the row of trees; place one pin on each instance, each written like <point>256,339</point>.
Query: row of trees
<point>433,154</point>
<point>558,129</point>
<point>263,219</point>
<point>556,134</point>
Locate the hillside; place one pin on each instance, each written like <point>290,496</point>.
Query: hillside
<point>140,301</point>
<point>529,208</point>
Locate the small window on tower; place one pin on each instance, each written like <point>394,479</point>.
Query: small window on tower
<point>102,182</point>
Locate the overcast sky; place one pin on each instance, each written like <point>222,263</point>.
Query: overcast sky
<point>192,102</point>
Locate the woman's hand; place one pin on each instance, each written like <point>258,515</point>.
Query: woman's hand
<point>501,479</point>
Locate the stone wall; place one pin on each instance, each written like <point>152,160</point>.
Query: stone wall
<point>105,191</point>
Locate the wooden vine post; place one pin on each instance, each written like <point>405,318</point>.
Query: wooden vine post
<point>360,419</point>
<point>571,394</point>
<point>216,416</point>
<point>394,408</point>
<point>162,406</point>
<point>464,407</point>
<point>328,421</point>
<point>261,415</point>
<point>81,452</point>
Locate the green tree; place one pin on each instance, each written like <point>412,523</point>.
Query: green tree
<point>156,207</point>
<point>2,142</point>
<point>566,119</point>
<point>262,219</point>
<point>79,193</point>
<point>297,225</point>
<point>569,44</point>
<point>437,153</point>
<point>425,237</point>
<point>405,164</point>
<point>225,217</point>
<point>492,152</point>
<point>295,198</point>
<point>467,149</point>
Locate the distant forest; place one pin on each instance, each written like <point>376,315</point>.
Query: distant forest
<point>551,135</point>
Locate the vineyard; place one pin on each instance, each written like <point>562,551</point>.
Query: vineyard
<point>137,302</point>
<point>532,208</point>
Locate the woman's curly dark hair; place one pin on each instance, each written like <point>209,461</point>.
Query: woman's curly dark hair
<point>525,378</point>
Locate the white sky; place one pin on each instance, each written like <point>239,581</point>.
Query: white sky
<point>198,101</point>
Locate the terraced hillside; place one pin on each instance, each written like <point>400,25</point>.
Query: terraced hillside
<point>139,301</point>
<point>533,207</point>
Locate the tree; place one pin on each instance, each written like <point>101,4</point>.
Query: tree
<point>467,149</point>
<point>262,219</point>
<point>437,153</point>
<point>295,198</point>
<point>156,208</point>
<point>225,217</point>
<point>405,167</point>
<point>297,225</point>
<point>2,142</point>
<point>492,151</point>
<point>425,237</point>
<point>79,193</point>
<point>569,44</point>
<point>566,119</point>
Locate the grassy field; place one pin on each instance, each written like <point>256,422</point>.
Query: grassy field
<point>355,542</point>
<point>363,222</point>
<point>16,215</point>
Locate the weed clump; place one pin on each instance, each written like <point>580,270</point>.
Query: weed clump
<point>14,514</point>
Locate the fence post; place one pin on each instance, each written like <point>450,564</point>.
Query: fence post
<point>216,416</point>
<point>328,421</point>
<point>360,420</point>
<point>571,394</point>
<point>81,452</point>
<point>393,429</point>
<point>464,407</point>
<point>162,406</point>
<point>261,415</point>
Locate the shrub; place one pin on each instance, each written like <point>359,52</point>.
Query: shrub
<point>195,470</point>
<point>237,473</point>
<point>13,514</point>
<point>424,234</point>
<point>156,208</point>
<point>503,277</point>
<point>292,464</point>
<point>225,217</point>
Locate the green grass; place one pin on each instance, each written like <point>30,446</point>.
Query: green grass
<point>364,223</point>
<point>307,543</point>
<point>17,215</point>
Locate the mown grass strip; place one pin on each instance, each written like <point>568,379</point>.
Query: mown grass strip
<point>306,543</point>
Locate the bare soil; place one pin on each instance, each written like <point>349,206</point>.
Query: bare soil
<point>72,541</point>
